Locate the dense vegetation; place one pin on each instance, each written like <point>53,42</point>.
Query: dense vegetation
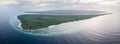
<point>32,22</point>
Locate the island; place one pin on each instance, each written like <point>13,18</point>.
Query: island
<point>38,21</point>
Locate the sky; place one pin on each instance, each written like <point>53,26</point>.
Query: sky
<point>29,5</point>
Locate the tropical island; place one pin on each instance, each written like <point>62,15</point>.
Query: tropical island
<point>38,21</point>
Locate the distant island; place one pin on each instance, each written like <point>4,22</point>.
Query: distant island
<point>38,21</point>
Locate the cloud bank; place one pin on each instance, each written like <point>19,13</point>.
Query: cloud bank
<point>58,4</point>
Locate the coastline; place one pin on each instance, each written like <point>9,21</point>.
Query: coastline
<point>38,29</point>
<point>20,25</point>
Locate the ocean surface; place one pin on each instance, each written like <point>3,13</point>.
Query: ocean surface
<point>99,30</point>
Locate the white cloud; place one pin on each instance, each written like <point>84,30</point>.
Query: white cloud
<point>60,4</point>
<point>5,2</point>
<point>110,3</point>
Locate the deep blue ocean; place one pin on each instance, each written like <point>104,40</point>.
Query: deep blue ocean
<point>9,35</point>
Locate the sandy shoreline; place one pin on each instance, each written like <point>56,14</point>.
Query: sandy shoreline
<point>20,25</point>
